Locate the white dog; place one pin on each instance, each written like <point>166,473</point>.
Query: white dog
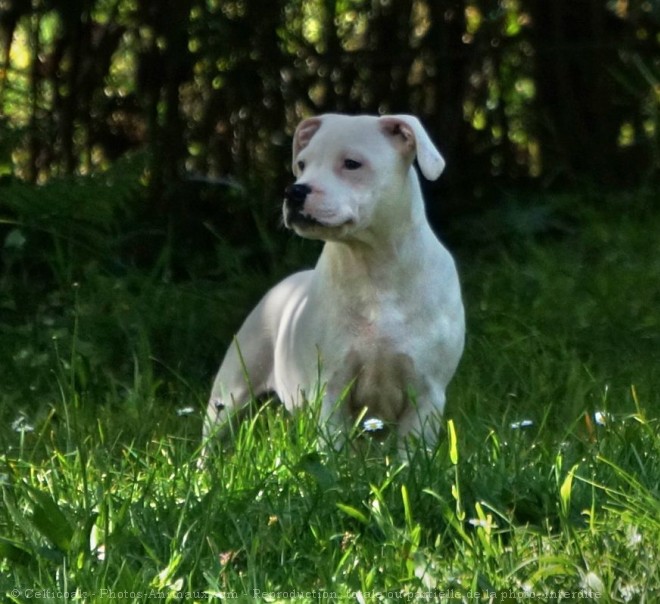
<point>377,327</point>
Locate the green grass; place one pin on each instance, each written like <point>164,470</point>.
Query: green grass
<point>103,390</point>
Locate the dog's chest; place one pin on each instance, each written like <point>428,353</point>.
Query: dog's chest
<point>372,339</point>
<point>368,325</point>
<point>382,378</point>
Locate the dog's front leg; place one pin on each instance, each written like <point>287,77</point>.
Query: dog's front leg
<point>423,418</point>
<point>245,373</point>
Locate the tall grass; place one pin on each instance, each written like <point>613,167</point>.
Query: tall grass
<point>545,484</point>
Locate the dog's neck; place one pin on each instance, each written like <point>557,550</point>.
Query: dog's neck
<point>384,256</point>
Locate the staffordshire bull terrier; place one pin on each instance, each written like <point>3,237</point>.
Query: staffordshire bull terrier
<point>377,327</point>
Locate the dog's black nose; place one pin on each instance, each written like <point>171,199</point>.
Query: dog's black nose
<point>296,194</point>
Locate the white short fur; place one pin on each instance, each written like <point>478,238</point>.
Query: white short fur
<point>381,312</point>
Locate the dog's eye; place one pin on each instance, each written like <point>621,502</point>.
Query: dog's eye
<point>301,165</point>
<point>351,164</point>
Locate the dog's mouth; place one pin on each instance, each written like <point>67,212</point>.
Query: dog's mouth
<point>294,219</point>
<point>304,223</point>
<point>298,218</point>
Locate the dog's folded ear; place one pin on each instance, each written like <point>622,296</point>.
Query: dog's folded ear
<point>303,134</point>
<point>408,133</point>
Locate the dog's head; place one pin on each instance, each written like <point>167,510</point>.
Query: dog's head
<point>355,172</point>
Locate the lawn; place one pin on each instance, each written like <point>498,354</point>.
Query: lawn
<point>544,487</point>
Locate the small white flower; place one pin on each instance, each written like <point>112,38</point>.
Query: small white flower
<point>525,423</point>
<point>96,544</point>
<point>185,411</point>
<point>628,592</point>
<point>634,537</point>
<point>592,582</point>
<point>485,523</point>
<point>20,424</point>
<point>373,424</point>
<point>602,418</point>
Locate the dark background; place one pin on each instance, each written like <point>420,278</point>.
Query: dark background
<point>517,93</point>
<point>145,145</point>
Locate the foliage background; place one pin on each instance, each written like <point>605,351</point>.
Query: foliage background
<point>144,145</point>
<point>513,90</point>
<point>143,148</point>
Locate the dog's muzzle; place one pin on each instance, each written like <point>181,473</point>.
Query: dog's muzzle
<point>294,204</point>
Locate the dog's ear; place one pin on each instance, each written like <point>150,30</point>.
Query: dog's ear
<point>303,134</point>
<point>409,135</point>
